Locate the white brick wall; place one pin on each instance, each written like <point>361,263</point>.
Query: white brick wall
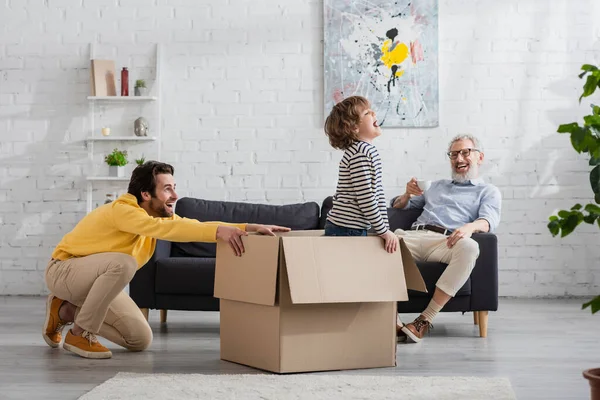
<point>242,112</point>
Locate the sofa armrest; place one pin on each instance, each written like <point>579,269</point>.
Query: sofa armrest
<point>142,287</point>
<point>484,278</point>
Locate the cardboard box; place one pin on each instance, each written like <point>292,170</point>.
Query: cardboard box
<point>301,302</point>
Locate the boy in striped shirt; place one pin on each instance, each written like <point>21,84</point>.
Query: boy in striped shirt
<point>359,201</point>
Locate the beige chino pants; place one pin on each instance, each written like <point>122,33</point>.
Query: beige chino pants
<point>95,285</point>
<point>431,246</point>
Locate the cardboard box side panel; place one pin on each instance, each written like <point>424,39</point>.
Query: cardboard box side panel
<point>250,334</point>
<point>414,280</point>
<point>343,269</point>
<point>322,337</point>
<point>252,277</point>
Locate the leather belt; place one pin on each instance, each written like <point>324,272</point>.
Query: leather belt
<point>433,228</point>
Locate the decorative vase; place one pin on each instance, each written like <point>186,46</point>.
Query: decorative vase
<point>139,91</point>
<point>593,376</point>
<point>124,82</point>
<point>140,127</point>
<point>116,171</point>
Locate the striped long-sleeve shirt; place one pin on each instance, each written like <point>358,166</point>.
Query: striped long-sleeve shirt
<point>359,201</point>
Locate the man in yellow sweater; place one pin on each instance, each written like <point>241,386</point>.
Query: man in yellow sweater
<point>94,262</point>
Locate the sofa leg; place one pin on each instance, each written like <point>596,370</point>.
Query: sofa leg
<point>476,317</point>
<point>483,323</point>
<point>145,312</point>
<point>163,316</point>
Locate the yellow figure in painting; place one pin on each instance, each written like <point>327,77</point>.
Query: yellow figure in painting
<point>394,55</point>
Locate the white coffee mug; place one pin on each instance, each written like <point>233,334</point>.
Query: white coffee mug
<point>424,185</point>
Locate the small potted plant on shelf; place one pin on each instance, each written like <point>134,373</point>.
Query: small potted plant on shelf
<point>140,87</point>
<point>116,163</point>
<point>140,160</point>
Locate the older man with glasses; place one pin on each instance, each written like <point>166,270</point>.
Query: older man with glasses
<point>452,211</point>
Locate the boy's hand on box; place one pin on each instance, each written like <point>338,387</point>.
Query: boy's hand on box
<point>391,241</point>
<point>232,235</point>
<point>266,229</point>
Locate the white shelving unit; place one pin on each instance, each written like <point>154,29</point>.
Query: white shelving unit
<point>107,178</point>
<point>121,139</point>
<point>122,98</point>
<point>95,135</point>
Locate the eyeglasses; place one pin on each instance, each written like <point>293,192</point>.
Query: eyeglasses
<point>463,152</point>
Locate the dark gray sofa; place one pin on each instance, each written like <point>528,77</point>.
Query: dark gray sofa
<point>180,276</point>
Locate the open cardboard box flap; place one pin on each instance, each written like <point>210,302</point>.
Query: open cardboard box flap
<point>348,269</point>
<point>251,278</point>
<point>320,269</point>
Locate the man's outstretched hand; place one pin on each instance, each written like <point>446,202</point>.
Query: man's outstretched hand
<point>233,236</point>
<point>266,229</point>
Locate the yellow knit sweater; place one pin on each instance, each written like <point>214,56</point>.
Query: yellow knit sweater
<point>124,227</point>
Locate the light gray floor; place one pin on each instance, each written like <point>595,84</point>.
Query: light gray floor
<point>542,346</point>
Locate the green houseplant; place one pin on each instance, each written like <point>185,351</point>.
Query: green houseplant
<point>116,162</point>
<point>585,138</point>
<point>140,87</point>
<point>141,160</point>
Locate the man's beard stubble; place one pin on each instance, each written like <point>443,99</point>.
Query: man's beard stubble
<point>462,178</point>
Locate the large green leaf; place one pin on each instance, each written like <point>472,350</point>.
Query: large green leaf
<point>597,198</point>
<point>590,85</point>
<point>594,304</point>
<point>578,139</point>
<point>594,160</point>
<point>577,207</point>
<point>592,120</point>
<point>587,68</point>
<point>590,143</point>
<point>568,128</point>
<point>569,224</point>
<point>590,219</point>
<point>554,227</point>
<point>592,209</point>
<point>595,179</point>
<point>564,214</point>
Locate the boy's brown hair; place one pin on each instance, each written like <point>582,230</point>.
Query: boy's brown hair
<point>340,125</point>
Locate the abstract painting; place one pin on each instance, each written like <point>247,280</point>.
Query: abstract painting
<point>386,51</point>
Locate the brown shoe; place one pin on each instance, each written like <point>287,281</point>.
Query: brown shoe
<point>86,345</point>
<point>417,329</point>
<point>400,335</point>
<point>53,327</point>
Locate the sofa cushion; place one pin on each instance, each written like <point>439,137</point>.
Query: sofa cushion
<point>185,275</point>
<point>402,219</point>
<point>301,216</point>
<point>399,219</point>
<point>431,272</point>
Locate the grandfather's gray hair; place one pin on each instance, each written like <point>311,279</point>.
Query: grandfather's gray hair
<point>466,136</point>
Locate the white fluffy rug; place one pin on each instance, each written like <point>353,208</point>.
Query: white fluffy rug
<point>305,386</point>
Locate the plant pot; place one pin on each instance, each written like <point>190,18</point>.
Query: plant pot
<point>139,91</point>
<point>593,375</point>
<point>117,172</point>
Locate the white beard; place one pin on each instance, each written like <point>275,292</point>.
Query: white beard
<point>468,176</point>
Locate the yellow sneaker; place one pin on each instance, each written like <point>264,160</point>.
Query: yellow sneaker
<point>86,345</point>
<point>53,327</point>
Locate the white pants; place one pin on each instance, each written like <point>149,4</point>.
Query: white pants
<point>431,246</point>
